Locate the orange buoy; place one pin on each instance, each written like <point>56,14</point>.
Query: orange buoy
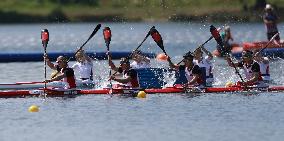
<point>162,57</point>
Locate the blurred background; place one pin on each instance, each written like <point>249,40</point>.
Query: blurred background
<point>39,11</point>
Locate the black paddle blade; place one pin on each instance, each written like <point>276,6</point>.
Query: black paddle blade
<point>44,36</point>
<point>157,38</point>
<point>107,36</point>
<point>93,33</point>
<point>216,35</point>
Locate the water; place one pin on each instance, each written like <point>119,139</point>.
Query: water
<point>158,117</point>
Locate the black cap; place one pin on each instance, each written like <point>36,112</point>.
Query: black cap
<point>188,55</point>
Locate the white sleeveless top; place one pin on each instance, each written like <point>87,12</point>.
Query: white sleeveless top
<point>205,63</point>
<point>264,70</point>
<point>83,70</point>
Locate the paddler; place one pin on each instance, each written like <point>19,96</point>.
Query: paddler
<point>193,72</point>
<point>264,65</point>
<point>83,67</point>
<point>270,20</point>
<point>227,38</point>
<point>204,64</point>
<point>65,74</point>
<point>139,60</point>
<point>129,77</point>
<point>251,69</point>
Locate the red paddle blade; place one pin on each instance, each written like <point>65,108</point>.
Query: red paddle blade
<point>215,33</point>
<point>44,36</point>
<point>157,38</point>
<point>107,35</point>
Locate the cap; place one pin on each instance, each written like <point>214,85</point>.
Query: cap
<point>124,60</point>
<point>268,6</point>
<point>247,54</point>
<point>62,58</point>
<point>188,55</point>
<point>227,28</point>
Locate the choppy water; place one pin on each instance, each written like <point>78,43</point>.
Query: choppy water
<point>158,117</point>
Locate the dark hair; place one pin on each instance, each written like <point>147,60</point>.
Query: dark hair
<point>247,53</point>
<point>124,60</point>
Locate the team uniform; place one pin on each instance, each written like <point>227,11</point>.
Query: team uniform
<point>271,28</point>
<point>264,70</point>
<point>189,75</point>
<point>84,70</point>
<point>206,65</point>
<point>134,83</point>
<point>70,77</point>
<point>249,70</point>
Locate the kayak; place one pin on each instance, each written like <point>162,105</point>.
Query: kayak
<point>51,92</point>
<point>37,85</point>
<point>261,44</point>
<point>273,50</point>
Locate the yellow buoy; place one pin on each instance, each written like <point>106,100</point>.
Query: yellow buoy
<point>141,94</point>
<point>229,84</point>
<point>33,108</point>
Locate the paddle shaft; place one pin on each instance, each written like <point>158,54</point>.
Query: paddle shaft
<point>200,45</point>
<point>145,38</point>
<point>237,71</point>
<point>44,46</point>
<point>268,42</point>
<point>90,37</point>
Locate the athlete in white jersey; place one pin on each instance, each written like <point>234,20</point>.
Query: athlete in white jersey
<point>84,66</point>
<point>139,60</point>
<point>264,66</point>
<point>205,64</point>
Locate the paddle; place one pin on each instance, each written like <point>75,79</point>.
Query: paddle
<point>148,34</point>
<point>91,36</point>
<point>210,38</point>
<point>217,37</point>
<point>272,38</point>
<point>107,37</point>
<point>158,39</point>
<point>44,39</point>
<point>81,47</point>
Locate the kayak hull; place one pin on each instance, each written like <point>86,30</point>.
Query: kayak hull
<point>106,91</point>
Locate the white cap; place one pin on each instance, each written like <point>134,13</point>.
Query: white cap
<point>268,6</point>
<point>227,28</point>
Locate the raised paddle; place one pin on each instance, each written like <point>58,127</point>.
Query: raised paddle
<point>158,39</point>
<point>148,34</point>
<point>90,37</point>
<point>81,47</point>
<point>210,38</point>
<point>44,41</point>
<point>107,37</point>
<point>216,35</point>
